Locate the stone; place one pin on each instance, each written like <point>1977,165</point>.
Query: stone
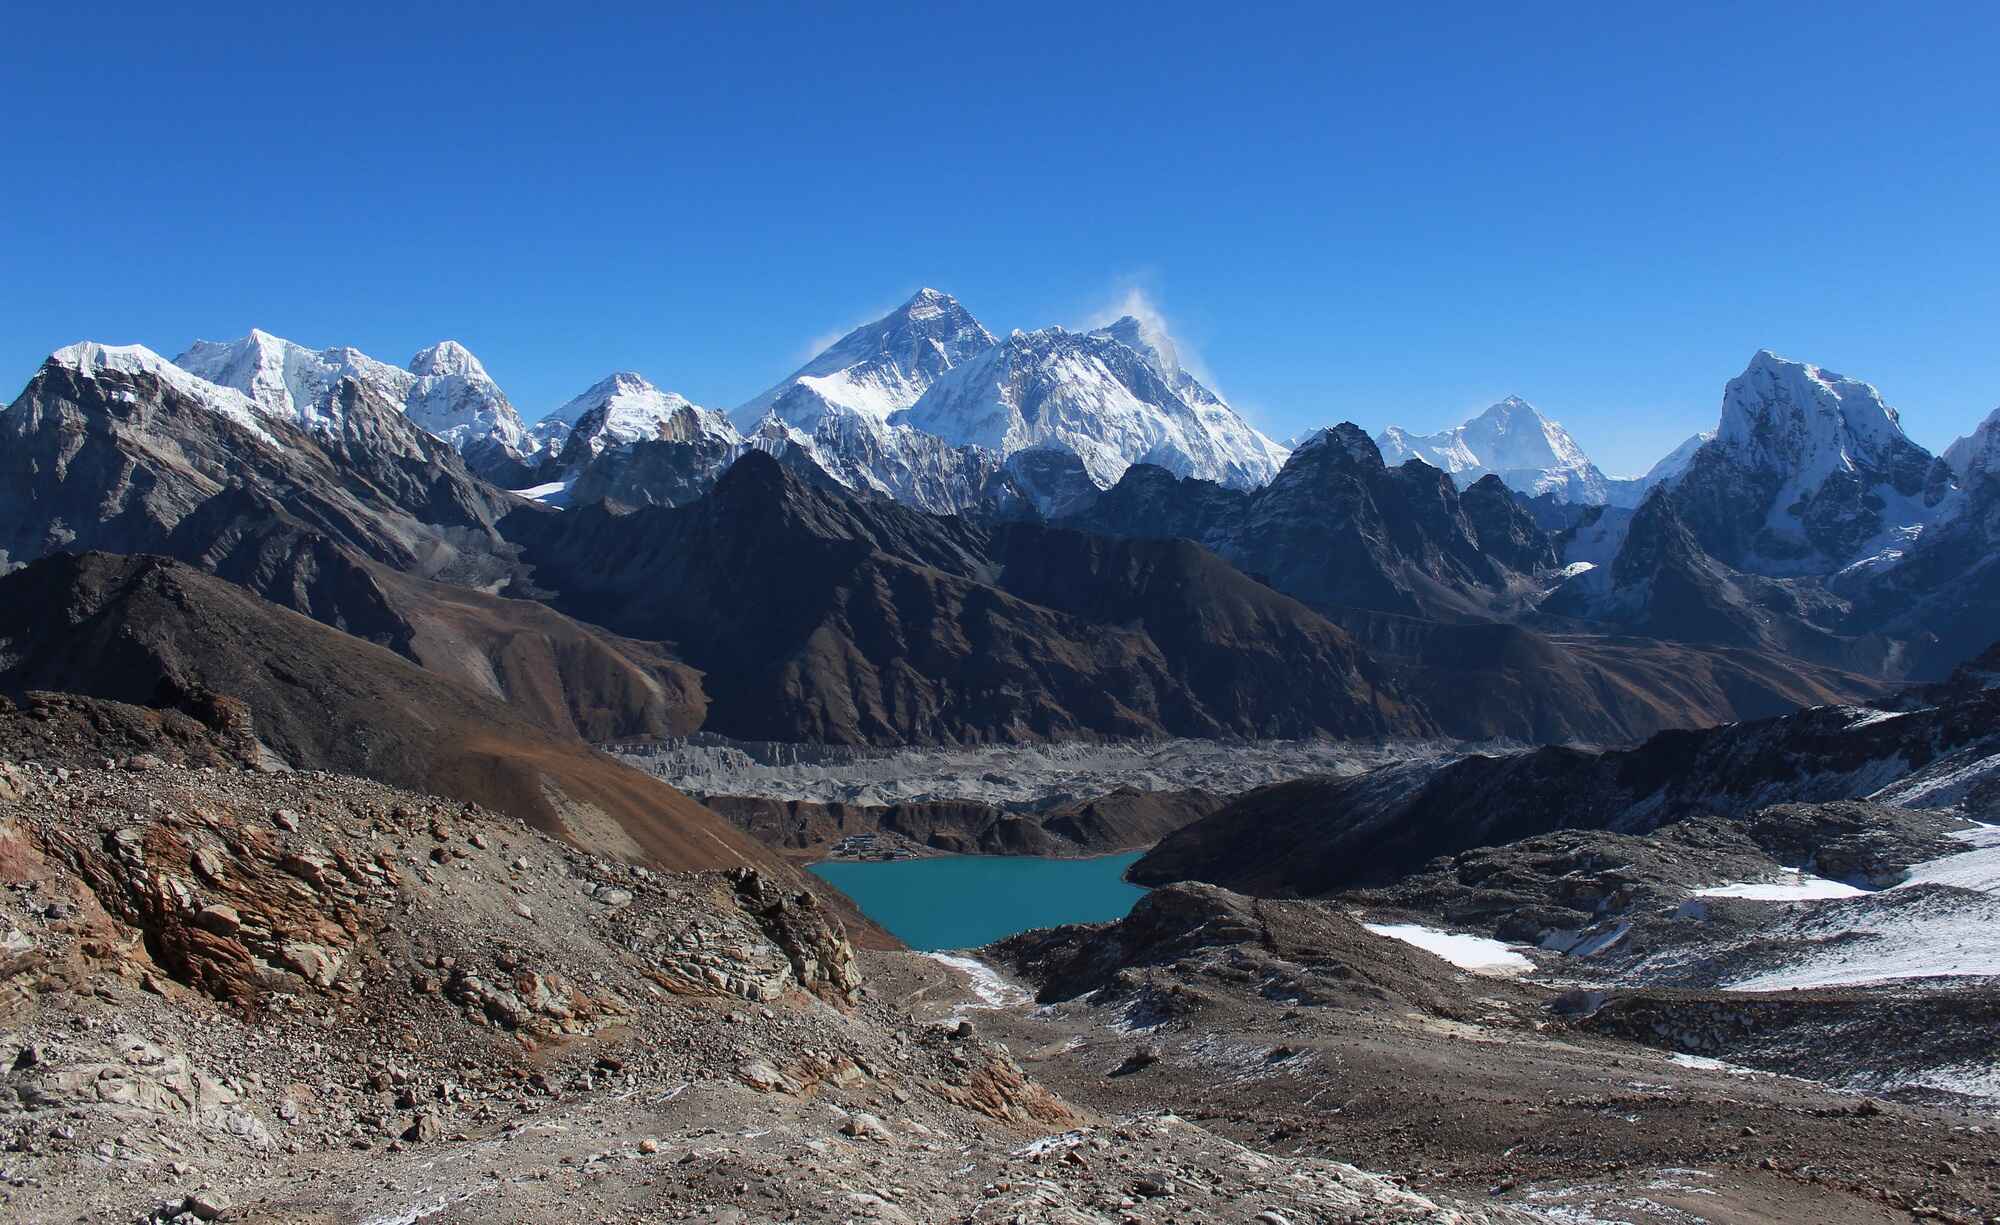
<point>613,899</point>
<point>864,1126</point>
<point>315,963</point>
<point>220,918</point>
<point>207,1204</point>
<point>760,1075</point>
<point>424,1127</point>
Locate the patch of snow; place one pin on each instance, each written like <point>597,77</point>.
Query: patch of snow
<point>1793,886</point>
<point>1976,868</point>
<point>1885,937</point>
<point>1466,951</point>
<point>542,493</point>
<point>1705,1064</point>
<point>993,990</point>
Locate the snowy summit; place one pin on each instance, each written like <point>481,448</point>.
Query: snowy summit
<point>1511,440</point>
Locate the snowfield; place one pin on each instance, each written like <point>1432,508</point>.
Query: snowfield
<point>1482,954</point>
<point>1794,886</point>
<point>1942,922</point>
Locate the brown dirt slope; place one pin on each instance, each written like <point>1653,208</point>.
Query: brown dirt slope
<point>150,631</point>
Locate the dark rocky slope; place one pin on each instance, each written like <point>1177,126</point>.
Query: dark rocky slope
<point>817,616</point>
<point>1338,528</point>
<point>1318,836</point>
<point>1121,820</point>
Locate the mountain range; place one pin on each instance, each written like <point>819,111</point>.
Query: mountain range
<point>930,534</point>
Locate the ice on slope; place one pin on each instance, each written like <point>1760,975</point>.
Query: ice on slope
<point>90,358</point>
<point>1511,440</point>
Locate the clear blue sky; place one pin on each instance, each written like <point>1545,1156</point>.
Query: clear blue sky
<point>1393,213</point>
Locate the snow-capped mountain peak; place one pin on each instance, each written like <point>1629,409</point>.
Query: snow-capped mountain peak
<point>447,357</point>
<point>878,368</point>
<point>1809,472</point>
<point>625,408</point>
<point>88,358</point>
<point>288,380</point>
<point>1092,394</point>
<point>1806,420</point>
<point>1675,462</point>
<point>1149,341</point>
<point>1511,440</point>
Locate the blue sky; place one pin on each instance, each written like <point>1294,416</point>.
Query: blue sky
<point>1387,216</point>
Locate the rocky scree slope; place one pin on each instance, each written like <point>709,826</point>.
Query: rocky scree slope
<point>233,995</point>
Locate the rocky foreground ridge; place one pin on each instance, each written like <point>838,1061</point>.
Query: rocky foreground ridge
<point>230,991</point>
<point>234,992</point>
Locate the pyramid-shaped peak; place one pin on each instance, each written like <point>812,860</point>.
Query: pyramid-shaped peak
<point>447,357</point>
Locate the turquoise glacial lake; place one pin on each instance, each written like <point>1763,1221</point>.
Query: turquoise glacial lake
<point>961,901</point>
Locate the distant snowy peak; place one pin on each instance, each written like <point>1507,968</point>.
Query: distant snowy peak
<point>1511,440</point>
<point>89,359</point>
<point>1675,461</point>
<point>1151,342</point>
<point>1094,395</point>
<point>448,359</point>
<point>1978,453</point>
<point>454,398</point>
<point>624,408</point>
<point>444,391</point>
<point>548,434</point>
<point>878,368</point>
